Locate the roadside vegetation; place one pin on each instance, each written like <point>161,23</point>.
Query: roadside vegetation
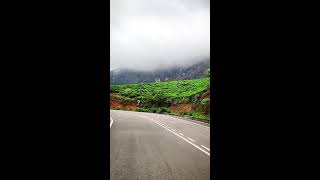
<point>189,98</point>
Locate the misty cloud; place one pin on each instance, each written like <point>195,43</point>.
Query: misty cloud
<point>151,34</point>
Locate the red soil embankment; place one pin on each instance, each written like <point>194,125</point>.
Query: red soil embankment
<point>114,104</point>
<point>181,107</point>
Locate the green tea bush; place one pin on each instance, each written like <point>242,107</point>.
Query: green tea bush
<point>162,91</point>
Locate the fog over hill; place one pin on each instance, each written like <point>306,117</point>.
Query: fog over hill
<point>125,76</point>
<point>158,35</point>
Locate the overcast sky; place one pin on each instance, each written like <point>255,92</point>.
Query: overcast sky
<point>151,34</point>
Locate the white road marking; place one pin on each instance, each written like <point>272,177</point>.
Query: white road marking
<point>111,121</point>
<point>205,147</point>
<point>167,126</point>
<point>164,125</point>
<point>191,139</point>
<point>178,135</point>
<point>187,122</point>
<point>181,134</point>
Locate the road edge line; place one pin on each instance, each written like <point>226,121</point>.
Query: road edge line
<point>205,147</point>
<point>111,121</point>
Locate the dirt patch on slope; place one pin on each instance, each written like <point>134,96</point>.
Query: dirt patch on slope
<point>181,108</point>
<point>121,105</point>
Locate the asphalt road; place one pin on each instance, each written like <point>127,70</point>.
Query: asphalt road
<point>154,146</point>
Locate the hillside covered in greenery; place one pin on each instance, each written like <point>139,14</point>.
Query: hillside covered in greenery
<point>185,97</point>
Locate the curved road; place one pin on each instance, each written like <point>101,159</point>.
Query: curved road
<point>155,146</point>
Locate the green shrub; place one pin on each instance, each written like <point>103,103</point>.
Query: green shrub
<point>152,110</point>
<point>164,110</point>
<point>205,101</point>
<point>142,109</point>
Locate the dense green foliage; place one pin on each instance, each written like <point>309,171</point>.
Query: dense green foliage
<point>162,91</point>
<point>122,98</point>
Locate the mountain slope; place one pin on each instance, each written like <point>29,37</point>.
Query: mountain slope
<point>125,76</point>
<point>184,97</point>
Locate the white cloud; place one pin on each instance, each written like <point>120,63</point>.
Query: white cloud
<point>150,34</point>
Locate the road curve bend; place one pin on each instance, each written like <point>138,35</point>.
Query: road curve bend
<point>155,146</point>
